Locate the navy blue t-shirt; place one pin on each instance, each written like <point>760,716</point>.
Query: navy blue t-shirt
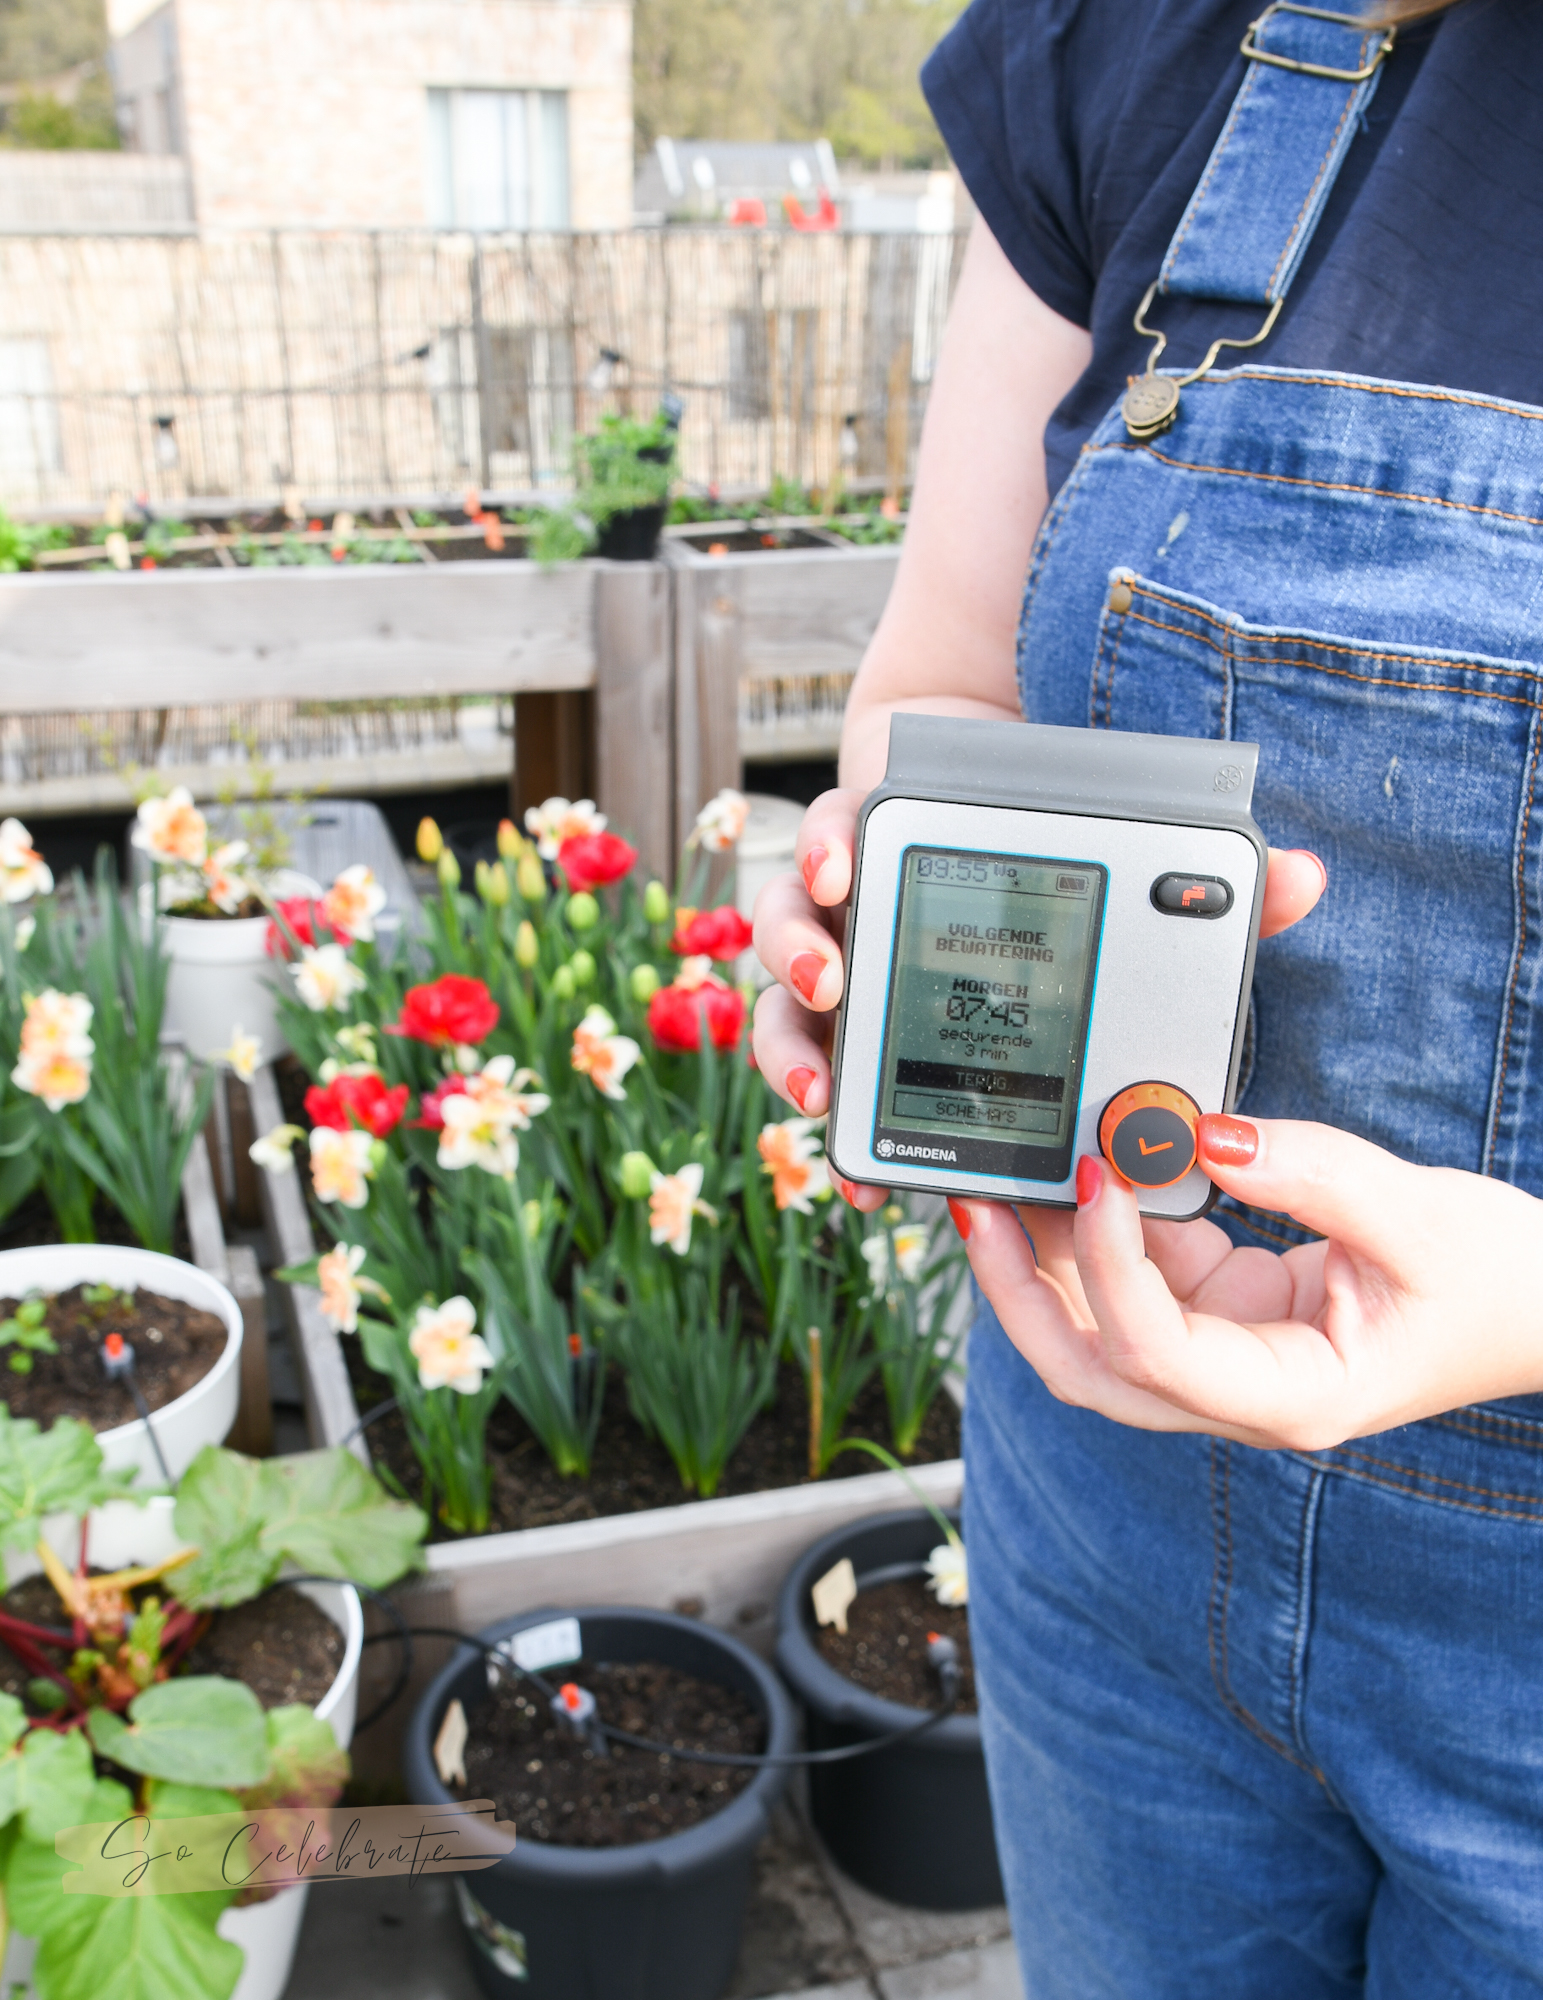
<point>1081,128</point>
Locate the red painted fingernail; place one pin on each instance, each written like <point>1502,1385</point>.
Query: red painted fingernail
<point>961,1217</point>
<point>1090,1178</point>
<point>846,1189</point>
<point>814,861</point>
<point>798,1082</point>
<point>806,972</point>
<point>1231,1142</point>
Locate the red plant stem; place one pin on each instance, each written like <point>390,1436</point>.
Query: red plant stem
<point>38,1634</point>
<point>29,1656</point>
<point>186,1639</point>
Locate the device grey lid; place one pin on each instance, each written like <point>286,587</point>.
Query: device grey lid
<point>1109,773</point>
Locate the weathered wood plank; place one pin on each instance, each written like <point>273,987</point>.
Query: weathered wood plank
<point>253,1428</point>
<point>183,638</point>
<point>635,708</point>
<point>330,1412</point>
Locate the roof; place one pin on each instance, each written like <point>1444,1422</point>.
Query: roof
<point>686,176</point>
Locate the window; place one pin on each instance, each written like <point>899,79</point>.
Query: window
<point>29,417</point>
<point>498,159</point>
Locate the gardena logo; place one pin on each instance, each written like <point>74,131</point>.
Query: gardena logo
<point>886,1147</point>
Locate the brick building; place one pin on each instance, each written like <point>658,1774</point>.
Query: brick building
<point>452,114</point>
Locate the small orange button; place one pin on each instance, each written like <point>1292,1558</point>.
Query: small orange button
<point>1147,1134</point>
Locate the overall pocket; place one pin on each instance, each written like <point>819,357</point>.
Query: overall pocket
<point>1405,1007</point>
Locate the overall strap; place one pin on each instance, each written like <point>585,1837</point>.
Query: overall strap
<point>1310,76</point>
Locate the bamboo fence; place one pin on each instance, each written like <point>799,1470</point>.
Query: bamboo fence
<point>352,364</point>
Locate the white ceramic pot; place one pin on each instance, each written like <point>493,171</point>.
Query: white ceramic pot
<point>121,1534</point>
<point>765,849</point>
<point>222,978</point>
<point>201,1415</point>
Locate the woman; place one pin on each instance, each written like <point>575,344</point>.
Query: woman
<point>1256,1535</point>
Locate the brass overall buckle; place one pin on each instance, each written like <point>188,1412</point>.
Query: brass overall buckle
<point>1152,401</point>
<point>1254,53</point>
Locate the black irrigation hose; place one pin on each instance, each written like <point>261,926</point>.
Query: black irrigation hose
<point>380,1410</point>
<point>840,1755</point>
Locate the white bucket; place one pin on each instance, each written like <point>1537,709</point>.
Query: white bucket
<point>765,850</point>
<point>200,1415</point>
<point>222,977</point>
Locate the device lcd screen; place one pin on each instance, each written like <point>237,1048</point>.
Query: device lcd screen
<point>991,987</point>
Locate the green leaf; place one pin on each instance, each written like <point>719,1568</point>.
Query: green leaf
<point>49,1472</point>
<point>165,1800</point>
<point>138,1948</point>
<point>35,1902</point>
<point>54,1779</point>
<point>321,1510</point>
<point>201,1730</point>
<point>305,1765</point>
<point>13,1720</point>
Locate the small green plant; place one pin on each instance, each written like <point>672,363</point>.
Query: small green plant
<point>695,1379</point>
<point>21,542</point>
<point>26,1330</point>
<point>622,467</point>
<point>101,1301</point>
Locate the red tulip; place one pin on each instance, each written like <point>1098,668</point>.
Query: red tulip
<point>591,860</point>
<point>675,1016</point>
<point>721,934</point>
<point>365,1101</point>
<point>431,1117</point>
<point>453,1009</point>
<point>307,921</point>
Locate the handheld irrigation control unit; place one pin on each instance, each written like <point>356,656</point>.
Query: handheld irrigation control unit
<point>1049,951</point>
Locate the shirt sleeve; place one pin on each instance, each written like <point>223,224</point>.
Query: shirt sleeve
<point>998,88</point>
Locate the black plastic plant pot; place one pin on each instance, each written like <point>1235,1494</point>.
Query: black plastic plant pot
<point>633,536</point>
<point>658,1921</point>
<point>912,1823</point>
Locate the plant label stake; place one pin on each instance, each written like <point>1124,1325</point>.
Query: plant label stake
<point>1049,954</point>
<point>833,1594</point>
<point>450,1746</point>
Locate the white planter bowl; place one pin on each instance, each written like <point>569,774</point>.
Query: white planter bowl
<point>201,1415</point>
<point>120,1534</point>
<point>222,978</point>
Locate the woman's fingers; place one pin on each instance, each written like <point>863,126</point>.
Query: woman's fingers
<point>794,943</point>
<point>1293,883</point>
<point>826,841</point>
<point>1367,1200</point>
<point>790,1051</point>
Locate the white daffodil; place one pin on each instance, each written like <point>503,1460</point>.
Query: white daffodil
<point>273,1151</point>
<point>23,871</point>
<point>481,1120</point>
<point>449,1355</point>
<point>790,1153</point>
<point>55,1048</point>
<point>947,1575</point>
<point>911,1240</point>
<point>341,1164</point>
<point>673,1200</point>
<point>353,903</point>
<point>357,1041</point>
<point>327,977</point>
<point>603,1055</point>
<point>721,822</point>
<point>557,820</point>
<point>173,829</point>
<point>224,887</point>
<point>25,932</point>
<point>341,1287</point>
<point>243,1055</point>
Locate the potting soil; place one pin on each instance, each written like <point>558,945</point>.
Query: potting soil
<point>884,1648</point>
<point>558,1791</point>
<point>175,1345</point>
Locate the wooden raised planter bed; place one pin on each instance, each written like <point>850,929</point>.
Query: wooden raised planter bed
<point>720,1559</point>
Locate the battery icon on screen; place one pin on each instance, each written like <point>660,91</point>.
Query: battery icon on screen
<point>1072,885</point>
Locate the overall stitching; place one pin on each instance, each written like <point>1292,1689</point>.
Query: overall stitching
<point>1216,1624</point>
<point>1100,696</point>
<point>1321,485</point>
<point>1518,953</point>
<point>1248,86</point>
<point>1437,1479</point>
<point>1323,168</point>
<point>1489,1425</point>
<point>1288,378</point>
<point>1306,1543</point>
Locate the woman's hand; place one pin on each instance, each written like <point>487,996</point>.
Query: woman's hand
<point>1427,1293</point>
<point>799,925</point>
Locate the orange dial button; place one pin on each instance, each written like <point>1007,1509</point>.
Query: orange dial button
<point>1147,1134</point>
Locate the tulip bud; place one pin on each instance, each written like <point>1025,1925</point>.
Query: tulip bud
<point>583,912</point>
<point>480,875</point>
<point>510,845</point>
<point>645,983</point>
<point>526,948</point>
<point>430,840</point>
<point>583,969</point>
<point>530,878</point>
<point>449,870</point>
<point>530,1215</point>
<point>637,1176</point>
<point>656,903</point>
<point>564,985</point>
<point>497,891</point>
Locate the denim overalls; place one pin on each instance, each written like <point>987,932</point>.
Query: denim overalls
<point>1271,1724</point>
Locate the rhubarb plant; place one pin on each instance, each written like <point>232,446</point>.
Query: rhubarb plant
<point>118,1728</point>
